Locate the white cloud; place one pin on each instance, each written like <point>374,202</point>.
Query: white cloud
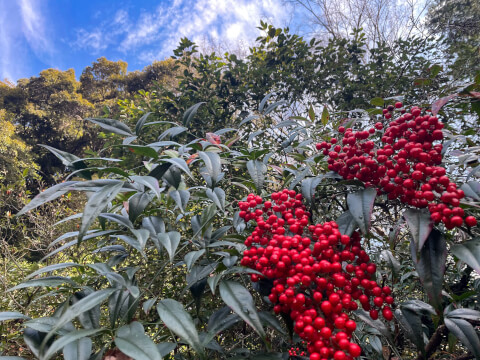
<point>154,34</point>
<point>35,30</point>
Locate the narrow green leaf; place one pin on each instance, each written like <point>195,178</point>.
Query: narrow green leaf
<point>217,195</point>
<point>192,257</point>
<point>257,171</point>
<point>63,341</point>
<point>464,313</point>
<point>180,163</point>
<point>50,268</point>
<point>48,195</point>
<point>181,198</point>
<point>50,281</point>
<point>213,166</point>
<point>420,224</point>
<point>148,181</point>
<point>469,253</point>
<point>472,189</point>
<point>175,317</point>
<point>346,223</point>
<point>133,342</point>
<point>141,123</point>
<point>80,349</point>
<point>465,332</point>
<point>311,113</point>
<point>241,302</point>
<point>95,205</point>
<point>430,266</point>
<point>12,315</point>
<point>360,205</point>
<point>376,324</point>
<point>190,113</point>
<point>112,125</point>
<point>85,304</point>
<point>170,242</point>
<point>325,116</point>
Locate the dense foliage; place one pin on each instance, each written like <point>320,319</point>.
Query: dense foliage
<point>290,192</point>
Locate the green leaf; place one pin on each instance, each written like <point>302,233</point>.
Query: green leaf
<point>180,197</point>
<point>80,349</point>
<point>50,268</point>
<point>376,324</point>
<point>112,125</point>
<point>95,205</point>
<point>308,188</point>
<point>50,281</point>
<point>241,302</point>
<point>63,341</point>
<point>464,313</point>
<point>430,266</point>
<point>166,348</point>
<point>465,332</point>
<point>142,150</point>
<point>89,319</point>
<point>192,257</point>
<point>377,101</point>
<point>217,195</point>
<point>133,342</point>
<point>11,315</point>
<point>392,262</point>
<point>141,122</point>
<point>170,242</point>
<point>48,195</point>
<point>311,113</point>
<point>472,189</point>
<point>175,318</point>
<point>469,253</point>
<point>69,160</point>
<point>325,116</point>
<point>346,223</point>
<point>83,305</point>
<point>360,205</point>
<point>148,181</point>
<point>137,204</point>
<point>190,113</point>
<point>263,102</point>
<point>213,167</point>
<point>420,224</point>
<point>257,170</point>
<point>180,163</point>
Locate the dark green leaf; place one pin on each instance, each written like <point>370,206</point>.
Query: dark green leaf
<point>217,195</point>
<point>190,113</point>
<point>48,195</point>
<point>112,125</point>
<point>376,324</point>
<point>137,204</point>
<point>241,302</point>
<point>257,171</point>
<point>141,122</point>
<point>97,202</point>
<point>11,315</point>
<point>63,341</point>
<point>180,197</point>
<point>346,223</point>
<point>80,349</point>
<point>464,313</point>
<point>174,316</point>
<point>308,188</point>
<point>132,341</point>
<point>420,224</point>
<point>50,281</point>
<point>465,332</point>
<point>472,189</point>
<point>170,242</point>
<point>430,266</point>
<point>360,205</point>
<point>469,253</point>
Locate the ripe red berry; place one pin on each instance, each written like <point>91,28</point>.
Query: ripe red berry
<point>471,221</point>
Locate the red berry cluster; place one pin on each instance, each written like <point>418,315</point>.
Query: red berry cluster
<point>405,168</point>
<point>319,275</point>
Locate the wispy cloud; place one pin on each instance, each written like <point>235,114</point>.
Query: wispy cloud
<point>154,34</point>
<point>35,29</point>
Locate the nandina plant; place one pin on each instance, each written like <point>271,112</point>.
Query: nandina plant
<point>236,230</point>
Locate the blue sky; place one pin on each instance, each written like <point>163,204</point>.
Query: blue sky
<point>40,34</point>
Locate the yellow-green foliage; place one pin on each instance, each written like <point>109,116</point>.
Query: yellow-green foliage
<point>15,157</point>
